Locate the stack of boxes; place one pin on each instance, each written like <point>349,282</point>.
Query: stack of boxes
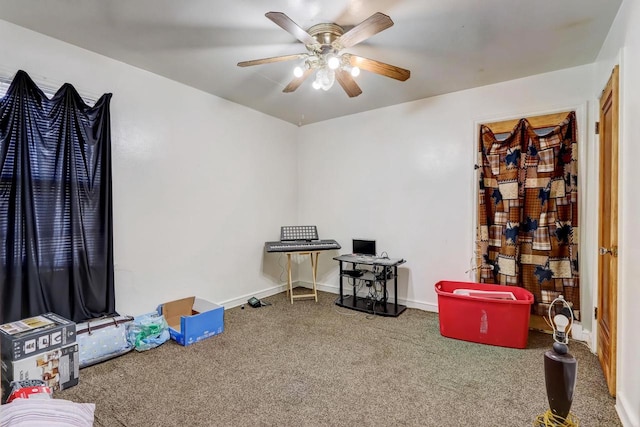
<point>42,347</point>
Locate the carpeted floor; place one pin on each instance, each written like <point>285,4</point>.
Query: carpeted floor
<point>316,364</point>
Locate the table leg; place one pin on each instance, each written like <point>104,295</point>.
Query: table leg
<point>395,289</point>
<point>341,277</point>
<point>314,272</point>
<point>290,287</point>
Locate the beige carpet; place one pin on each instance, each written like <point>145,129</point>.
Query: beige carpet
<point>316,364</point>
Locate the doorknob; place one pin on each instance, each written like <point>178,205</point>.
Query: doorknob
<point>613,251</point>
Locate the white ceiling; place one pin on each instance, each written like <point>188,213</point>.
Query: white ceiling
<point>448,45</point>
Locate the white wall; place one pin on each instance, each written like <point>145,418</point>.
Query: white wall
<point>404,176</point>
<point>195,190</point>
<point>623,47</point>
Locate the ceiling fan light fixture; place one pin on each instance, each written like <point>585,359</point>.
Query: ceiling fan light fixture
<point>333,62</point>
<point>324,42</point>
<point>324,79</point>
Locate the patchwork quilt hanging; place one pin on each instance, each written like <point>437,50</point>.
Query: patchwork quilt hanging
<point>528,211</point>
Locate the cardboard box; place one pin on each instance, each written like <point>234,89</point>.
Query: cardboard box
<point>59,368</point>
<point>35,335</point>
<point>192,319</point>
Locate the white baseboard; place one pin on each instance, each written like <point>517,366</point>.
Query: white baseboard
<point>235,302</point>
<point>624,410</point>
<point>587,338</point>
<point>584,335</point>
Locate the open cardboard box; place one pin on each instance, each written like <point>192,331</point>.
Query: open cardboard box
<point>192,319</point>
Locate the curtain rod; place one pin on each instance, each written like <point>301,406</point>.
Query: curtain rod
<point>48,89</point>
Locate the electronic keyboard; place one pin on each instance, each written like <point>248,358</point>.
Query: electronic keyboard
<point>301,245</point>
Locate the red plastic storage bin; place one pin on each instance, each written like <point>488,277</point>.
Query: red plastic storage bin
<point>484,320</point>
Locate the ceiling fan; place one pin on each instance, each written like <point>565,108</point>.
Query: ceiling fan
<point>324,43</point>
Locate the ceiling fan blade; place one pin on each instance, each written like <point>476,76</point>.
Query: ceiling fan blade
<point>291,27</point>
<point>297,81</point>
<point>378,67</point>
<point>348,84</point>
<point>272,59</point>
<point>367,28</point>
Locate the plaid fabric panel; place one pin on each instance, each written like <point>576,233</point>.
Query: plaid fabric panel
<point>495,235</point>
<point>557,188</point>
<point>533,259</point>
<point>507,265</point>
<point>543,220</point>
<point>529,280</point>
<point>563,212</point>
<point>525,238</point>
<point>482,214</point>
<point>501,218</point>
<point>541,241</point>
<point>511,280</point>
<point>550,141</point>
<point>494,163</point>
<point>509,190</point>
<point>561,268</point>
<point>486,275</point>
<point>547,161</point>
<point>551,218</point>
<point>535,182</point>
<point>514,212</point>
<point>481,197</point>
<point>532,207</point>
<point>547,297</point>
<point>490,182</point>
<point>483,233</point>
<point>514,203</point>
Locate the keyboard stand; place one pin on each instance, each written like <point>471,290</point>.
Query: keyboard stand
<point>314,271</point>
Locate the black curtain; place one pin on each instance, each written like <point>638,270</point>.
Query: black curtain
<point>56,229</point>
